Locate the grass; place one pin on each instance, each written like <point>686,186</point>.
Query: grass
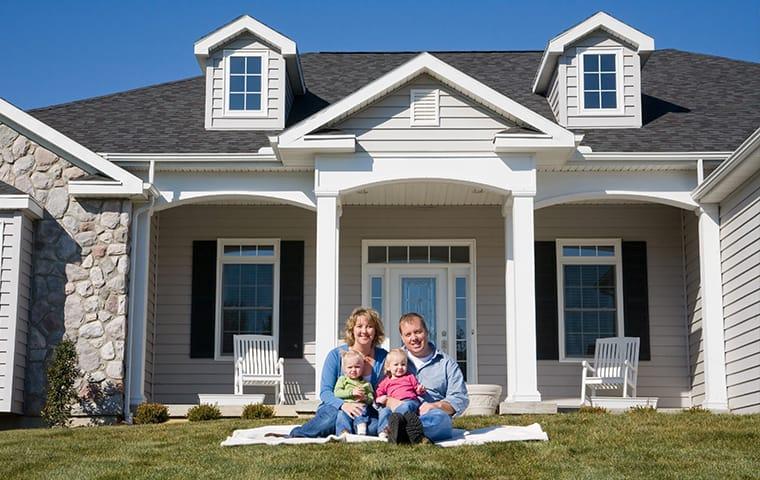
<point>641,444</point>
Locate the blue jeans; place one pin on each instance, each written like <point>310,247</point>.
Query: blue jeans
<point>322,425</point>
<point>345,422</point>
<point>385,412</point>
<point>437,425</point>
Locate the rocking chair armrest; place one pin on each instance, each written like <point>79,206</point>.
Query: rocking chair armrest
<point>629,365</point>
<point>588,366</point>
<point>280,364</point>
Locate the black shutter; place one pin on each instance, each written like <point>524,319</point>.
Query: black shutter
<point>547,318</point>
<point>203,302</point>
<point>291,299</point>
<point>636,295</point>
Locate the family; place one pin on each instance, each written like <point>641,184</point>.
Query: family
<point>407,395</point>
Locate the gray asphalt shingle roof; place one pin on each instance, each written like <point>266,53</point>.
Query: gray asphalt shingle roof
<point>691,102</point>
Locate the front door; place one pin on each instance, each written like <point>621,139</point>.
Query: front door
<point>423,291</point>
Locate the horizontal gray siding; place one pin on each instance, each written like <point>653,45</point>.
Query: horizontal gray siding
<point>274,97</point>
<point>631,85</point>
<point>385,124</point>
<point>740,248</point>
<point>667,375</point>
<point>484,224</point>
<point>694,306</point>
<point>177,377</point>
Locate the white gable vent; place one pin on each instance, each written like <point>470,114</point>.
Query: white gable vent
<point>424,107</point>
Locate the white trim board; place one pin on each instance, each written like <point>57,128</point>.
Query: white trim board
<point>126,184</point>
<point>740,166</point>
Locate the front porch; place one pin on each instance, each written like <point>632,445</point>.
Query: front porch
<point>366,219</point>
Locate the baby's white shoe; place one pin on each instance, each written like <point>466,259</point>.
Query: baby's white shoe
<point>361,429</point>
<point>383,434</point>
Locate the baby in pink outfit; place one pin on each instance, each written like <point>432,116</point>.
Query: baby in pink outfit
<point>398,384</point>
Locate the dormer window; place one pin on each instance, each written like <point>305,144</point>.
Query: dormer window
<point>246,77</point>
<point>599,81</point>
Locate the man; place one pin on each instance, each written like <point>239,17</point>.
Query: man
<point>446,392</point>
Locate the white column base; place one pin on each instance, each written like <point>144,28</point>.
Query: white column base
<point>716,407</point>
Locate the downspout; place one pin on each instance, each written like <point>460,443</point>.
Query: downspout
<point>152,194</point>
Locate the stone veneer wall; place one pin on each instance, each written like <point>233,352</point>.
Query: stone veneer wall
<point>80,266</point>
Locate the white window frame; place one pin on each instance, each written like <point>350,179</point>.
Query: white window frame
<point>264,55</point>
<point>619,97</point>
<point>454,270</point>
<point>616,260</point>
<point>221,260</point>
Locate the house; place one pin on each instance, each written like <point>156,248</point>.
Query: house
<point>526,203</point>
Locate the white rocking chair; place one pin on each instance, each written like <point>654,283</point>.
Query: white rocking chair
<point>616,363</point>
<point>257,363</point>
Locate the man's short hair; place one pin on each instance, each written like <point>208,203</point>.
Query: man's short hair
<point>409,317</point>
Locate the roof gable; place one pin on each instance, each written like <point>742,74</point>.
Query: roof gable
<point>120,181</point>
<point>426,64</point>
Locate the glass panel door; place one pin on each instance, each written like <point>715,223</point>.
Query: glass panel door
<point>418,295</point>
<point>424,291</point>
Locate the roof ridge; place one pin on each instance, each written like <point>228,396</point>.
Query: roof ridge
<point>113,94</point>
<point>407,52</point>
<point>710,55</point>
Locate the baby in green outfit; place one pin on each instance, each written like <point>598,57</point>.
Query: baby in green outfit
<point>351,387</point>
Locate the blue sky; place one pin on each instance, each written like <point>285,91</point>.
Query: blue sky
<point>56,51</point>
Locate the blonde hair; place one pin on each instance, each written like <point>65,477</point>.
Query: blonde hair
<point>348,355</point>
<point>374,320</point>
<point>394,353</point>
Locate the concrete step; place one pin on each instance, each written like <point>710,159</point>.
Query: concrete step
<point>527,408</point>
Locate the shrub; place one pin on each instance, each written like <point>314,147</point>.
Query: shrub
<point>642,410</point>
<point>62,373</point>
<point>202,412</point>
<point>151,413</point>
<point>589,410</point>
<point>253,411</point>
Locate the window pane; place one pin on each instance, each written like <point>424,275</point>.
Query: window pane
<point>397,254</point>
<point>253,65</point>
<point>377,287</point>
<point>230,297</point>
<point>589,344</point>
<point>572,297</point>
<point>590,81</point>
<point>247,296</point>
<point>607,324</point>
<point>609,100</point>
<point>608,81</point>
<point>231,320</point>
<point>264,296</point>
<point>460,254</point>
<point>266,250</point>
<point>590,322</point>
<point>227,343</point>
<point>573,322</point>
<point>590,298</point>
<point>265,274</point>
<point>418,254</point>
<point>233,250</point>
<point>605,251</point>
<point>237,83</point>
<point>588,251</point>
<point>248,250</point>
<point>253,101</point>
<point>589,275</point>
<point>264,322</point>
<point>606,298</point>
<point>591,100</point>
<point>571,251</point>
<point>461,287</point>
<point>237,64</point>
<point>606,275</point>
<point>573,345</point>
<point>607,62</point>
<point>253,84</point>
<point>376,254</point>
<point>591,63</point>
<point>236,101</point>
<point>248,321</point>
<point>573,275</point>
<point>231,275</point>
<point>461,305</point>
<point>439,254</point>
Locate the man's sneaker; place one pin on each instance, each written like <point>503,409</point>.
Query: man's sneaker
<point>414,428</point>
<point>397,429</point>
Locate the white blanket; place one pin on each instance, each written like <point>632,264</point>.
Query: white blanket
<point>500,433</point>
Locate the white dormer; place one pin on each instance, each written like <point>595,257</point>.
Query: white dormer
<point>252,74</point>
<point>591,74</point>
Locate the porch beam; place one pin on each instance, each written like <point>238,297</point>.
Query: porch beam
<point>522,381</point>
<point>328,236</point>
<point>712,309</point>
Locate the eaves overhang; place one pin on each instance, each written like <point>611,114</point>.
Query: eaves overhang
<point>743,163</point>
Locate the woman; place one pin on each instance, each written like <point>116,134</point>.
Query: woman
<point>363,333</point>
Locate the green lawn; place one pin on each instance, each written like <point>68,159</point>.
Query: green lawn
<point>634,445</point>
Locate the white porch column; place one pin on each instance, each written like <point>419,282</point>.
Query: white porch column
<point>138,306</point>
<point>522,383</point>
<point>712,309</point>
<point>328,235</point>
